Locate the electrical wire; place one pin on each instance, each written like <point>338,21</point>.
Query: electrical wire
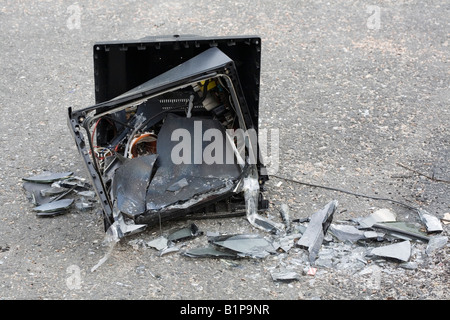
<point>346,191</point>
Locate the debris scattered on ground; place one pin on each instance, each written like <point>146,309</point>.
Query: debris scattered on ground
<point>340,246</point>
<point>53,193</point>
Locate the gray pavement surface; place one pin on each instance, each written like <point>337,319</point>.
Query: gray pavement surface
<point>354,87</point>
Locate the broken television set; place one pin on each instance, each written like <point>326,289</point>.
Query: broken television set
<point>174,130</point>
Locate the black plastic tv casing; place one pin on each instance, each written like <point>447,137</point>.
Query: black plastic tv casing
<point>120,66</point>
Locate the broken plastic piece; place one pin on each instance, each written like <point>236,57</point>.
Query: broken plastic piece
<point>399,251</point>
<point>432,223</point>
<point>48,177</point>
<point>245,245</point>
<point>313,237</point>
<point>312,271</point>
<point>185,233</point>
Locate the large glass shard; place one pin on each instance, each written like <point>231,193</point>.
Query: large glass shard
<point>54,207</point>
<point>317,228</point>
<point>399,251</point>
<point>48,177</point>
<point>130,184</point>
<point>402,230</point>
<point>194,172</point>
<point>245,245</point>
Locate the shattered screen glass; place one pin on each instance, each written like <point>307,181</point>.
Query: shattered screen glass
<point>179,143</point>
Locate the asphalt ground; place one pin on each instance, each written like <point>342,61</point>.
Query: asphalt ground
<point>355,88</point>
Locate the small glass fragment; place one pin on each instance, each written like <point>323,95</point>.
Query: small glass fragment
<point>168,250</point>
<point>87,194</point>
<point>246,245</point>
<point>381,215</point>
<point>52,191</point>
<point>285,276</point>
<point>435,243</point>
<point>185,233</point>
<point>346,232</point>
<point>82,205</point>
<point>159,243</point>
<point>432,223</point>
